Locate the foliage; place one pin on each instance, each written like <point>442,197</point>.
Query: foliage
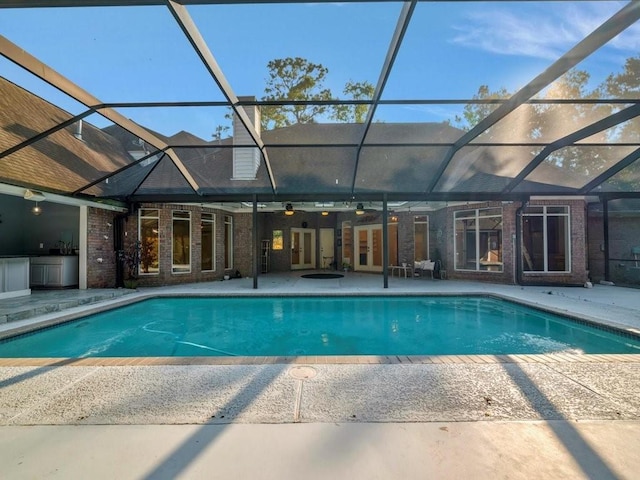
<point>547,122</point>
<point>294,79</point>
<point>298,79</point>
<point>354,113</point>
<point>147,253</point>
<point>474,112</point>
<point>137,254</point>
<point>220,129</point>
<point>130,258</point>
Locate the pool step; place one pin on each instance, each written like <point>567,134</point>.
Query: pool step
<point>41,302</point>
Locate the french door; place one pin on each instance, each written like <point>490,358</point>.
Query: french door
<point>368,255</point>
<point>326,247</point>
<point>303,248</point>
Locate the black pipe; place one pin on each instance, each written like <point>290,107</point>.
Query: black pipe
<point>605,227</point>
<point>118,246</point>
<point>385,240</point>
<point>518,259</point>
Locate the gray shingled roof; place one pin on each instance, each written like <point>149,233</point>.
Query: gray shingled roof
<point>546,137</point>
<point>328,160</point>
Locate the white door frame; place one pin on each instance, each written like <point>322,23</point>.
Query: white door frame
<point>368,266</point>
<point>302,251</point>
<point>327,247</point>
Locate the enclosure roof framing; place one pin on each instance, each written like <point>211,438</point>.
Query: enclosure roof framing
<point>557,118</point>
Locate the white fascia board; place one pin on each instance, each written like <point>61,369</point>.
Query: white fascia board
<point>61,199</point>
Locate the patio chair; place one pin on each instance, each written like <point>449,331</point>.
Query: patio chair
<point>424,266</point>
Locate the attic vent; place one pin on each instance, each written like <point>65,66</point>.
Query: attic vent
<point>246,161</point>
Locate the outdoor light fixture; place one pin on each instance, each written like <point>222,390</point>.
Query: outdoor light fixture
<point>36,210</point>
<point>289,210</point>
<point>360,209</point>
<point>325,213</point>
<point>33,196</point>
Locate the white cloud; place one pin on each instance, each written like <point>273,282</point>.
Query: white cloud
<point>547,32</point>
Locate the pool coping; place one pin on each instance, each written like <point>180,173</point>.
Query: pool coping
<point>546,358</point>
<point>57,318</point>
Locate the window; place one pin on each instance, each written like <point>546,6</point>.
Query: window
<point>478,242</point>
<point>278,240</point>
<point>181,240</point>
<point>421,238</point>
<point>545,239</point>
<point>148,233</point>
<point>208,229</point>
<point>228,242</point>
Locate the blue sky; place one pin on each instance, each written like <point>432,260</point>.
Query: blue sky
<point>133,54</point>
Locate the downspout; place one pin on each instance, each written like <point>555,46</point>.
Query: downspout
<point>518,258</point>
<point>605,228</point>
<point>118,245</point>
<point>254,238</point>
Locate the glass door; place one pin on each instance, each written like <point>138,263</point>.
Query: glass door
<point>303,251</point>
<point>368,248</point>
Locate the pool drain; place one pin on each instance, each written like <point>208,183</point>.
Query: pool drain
<point>302,373</point>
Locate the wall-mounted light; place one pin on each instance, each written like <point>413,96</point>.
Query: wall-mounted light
<point>289,210</point>
<point>324,213</point>
<point>360,209</point>
<point>36,210</point>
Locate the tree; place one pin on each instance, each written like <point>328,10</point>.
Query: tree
<point>474,112</point>
<point>294,79</point>
<point>626,84</point>
<point>354,113</point>
<point>220,129</point>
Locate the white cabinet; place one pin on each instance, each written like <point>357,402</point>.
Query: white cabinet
<point>14,277</point>
<point>54,271</point>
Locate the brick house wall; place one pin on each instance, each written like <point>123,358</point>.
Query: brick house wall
<point>595,245</point>
<point>577,218</point>
<point>441,242</point>
<point>101,256</point>
<point>242,255</point>
<point>624,234</point>
<point>447,240</point>
<point>578,226</point>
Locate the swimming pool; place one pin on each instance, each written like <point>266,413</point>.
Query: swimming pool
<point>293,326</point>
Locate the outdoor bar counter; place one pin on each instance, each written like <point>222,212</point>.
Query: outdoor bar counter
<point>14,276</point>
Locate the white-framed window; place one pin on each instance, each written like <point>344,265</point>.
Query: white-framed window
<point>149,235</point>
<point>478,240</point>
<point>208,242</point>
<point>181,241</point>
<point>546,239</point>
<point>421,238</point>
<point>228,242</point>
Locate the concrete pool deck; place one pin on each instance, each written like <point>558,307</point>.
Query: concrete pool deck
<point>538,417</point>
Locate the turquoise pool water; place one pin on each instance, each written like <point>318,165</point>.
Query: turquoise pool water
<point>317,326</point>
